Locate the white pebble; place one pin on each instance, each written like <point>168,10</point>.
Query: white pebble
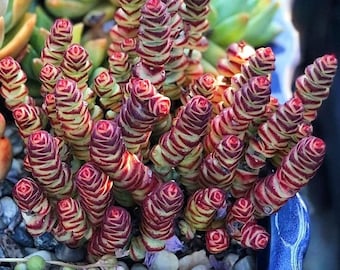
<point>165,260</point>
<point>200,267</point>
<point>9,209</point>
<point>197,258</point>
<point>122,266</point>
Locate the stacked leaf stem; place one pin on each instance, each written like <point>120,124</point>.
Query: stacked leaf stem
<point>150,146</point>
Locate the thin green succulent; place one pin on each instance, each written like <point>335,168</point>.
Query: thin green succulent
<point>251,21</point>
<point>72,9</point>
<point>16,26</point>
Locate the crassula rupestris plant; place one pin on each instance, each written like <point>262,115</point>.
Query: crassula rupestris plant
<point>150,147</point>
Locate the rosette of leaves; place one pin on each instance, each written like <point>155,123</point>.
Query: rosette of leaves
<point>241,63</point>
<point>249,104</point>
<point>35,207</point>
<point>189,127</point>
<point>95,192</point>
<point>240,213</point>
<point>217,240</point>
<point>13,83</point>
<point>73,227</point>
<point>295,170</point>
<point>89,19</point>
<point>45,163</point>
<point>254,236</point>
<point>218,168</point>
<point>202,207</point>
<point>242,226</point>
<point>159,213</point>
<point>194,14</point>
<point>112,234</point>
<point>275,133</point>
<point>313,86</point>
<point>108,151</point>
<point>16,27</point>
<point>144,108</point>
<point>127,23</point>
<point>205,85</point>
<point>110,94</point>
<point>236,54</point>
<point>120,67</point>
<point>153,42</point>
<point>77,131</point>
<point>272,136</point>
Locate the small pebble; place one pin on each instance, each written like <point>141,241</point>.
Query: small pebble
<point>164,260</point>
<point>196,258</point>
<point>2,253</point>
<point>173,244</point>
<point>22,237</point>
<point>200,267</point>
<point>246,263</point>
<point>138,266</point>
<point>66,254</point>
<point>10,215</point>
<point>10,248</point>
<point>45,241</point>
<point>5,188</point>
<point>48,256</point>
<point>29,250</point>
<point>12,133</point>
<point>16,171</point>
<point>229,260</point>
<point>122,266</point>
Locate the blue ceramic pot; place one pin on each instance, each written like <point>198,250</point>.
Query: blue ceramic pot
<point>289,228</point>
<point>290,232</point>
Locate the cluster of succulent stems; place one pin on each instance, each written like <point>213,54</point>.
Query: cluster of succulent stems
<point>152,130</point>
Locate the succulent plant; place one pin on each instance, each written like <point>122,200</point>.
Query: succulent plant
<point>219,167</point>
<point>35,207</point>
<point>251,21</point>
<point>16,27</point>
<point>91,180</point>
<point>270,193</point>
<point>70,9</point>
<point>159,212</point>
<point>113,232</point>
<point>184,135</point>
<point>217,240</point>
<point>146,146</point>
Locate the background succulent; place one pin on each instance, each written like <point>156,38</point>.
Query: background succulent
<point>251,21</point>
<point>16,27</point>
